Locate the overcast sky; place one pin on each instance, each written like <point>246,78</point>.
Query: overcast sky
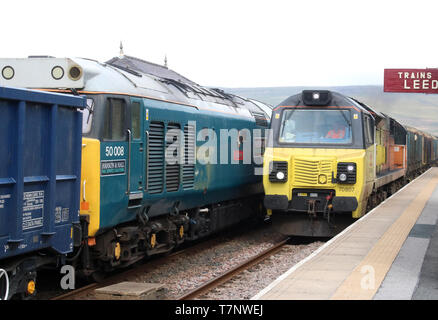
<point>235,43</point>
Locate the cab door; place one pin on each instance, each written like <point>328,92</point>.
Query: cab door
<point>136,148</point>
<point>370,146</point>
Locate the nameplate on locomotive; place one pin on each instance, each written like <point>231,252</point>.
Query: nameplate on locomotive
<point>112,167</point>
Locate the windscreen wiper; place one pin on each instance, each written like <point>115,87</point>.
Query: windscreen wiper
<point>345,118</point>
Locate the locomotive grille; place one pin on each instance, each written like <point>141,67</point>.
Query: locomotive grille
<point>172,170</point>
<point>155,163</point>
<point>307,171</point>
<point>189,157</point>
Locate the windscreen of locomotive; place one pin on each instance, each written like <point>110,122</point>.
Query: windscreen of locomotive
<point>315,126</point>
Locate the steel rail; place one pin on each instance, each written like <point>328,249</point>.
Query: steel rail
<point>76,292</point>
<point>145,267</point>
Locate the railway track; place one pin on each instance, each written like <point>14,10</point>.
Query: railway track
<point>149,266</point>
<point>219,280</point>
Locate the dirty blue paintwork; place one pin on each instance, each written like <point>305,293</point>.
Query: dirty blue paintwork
<point>212,184</point>
<point>40,165</point>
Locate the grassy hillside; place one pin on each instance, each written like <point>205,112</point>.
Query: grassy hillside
<point>416,110</point>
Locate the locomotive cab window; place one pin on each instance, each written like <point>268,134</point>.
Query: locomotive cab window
<point>368,130</point>
<point>316,127</point>
<point>135,120</point>
<point>114,128</point>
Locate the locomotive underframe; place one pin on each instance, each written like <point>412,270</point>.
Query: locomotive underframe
<point>128,243</point>
<point>324,223</point>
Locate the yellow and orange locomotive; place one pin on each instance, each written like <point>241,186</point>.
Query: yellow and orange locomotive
<point>330,158</point>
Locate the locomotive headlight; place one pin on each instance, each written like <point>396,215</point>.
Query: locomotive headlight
<point>75,73</point>
<point>57,72</point>
<point>280,175</point>
<point>8,72</point>
<point>343,177</point>
<point>315,96</point>
<point>346,172</point>
<point>278,171</point>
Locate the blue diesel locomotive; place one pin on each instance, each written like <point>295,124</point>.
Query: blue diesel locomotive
<point>164,160</point>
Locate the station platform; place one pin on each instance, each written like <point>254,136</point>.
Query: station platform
<point>389,254</point>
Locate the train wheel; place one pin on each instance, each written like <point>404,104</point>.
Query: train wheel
<point>4,285</point>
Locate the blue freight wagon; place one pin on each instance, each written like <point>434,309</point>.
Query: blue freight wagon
<point>40,168</point>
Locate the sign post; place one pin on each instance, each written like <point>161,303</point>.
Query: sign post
<point>411,80</point>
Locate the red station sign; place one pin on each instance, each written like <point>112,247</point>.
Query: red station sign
<point>411,80</point>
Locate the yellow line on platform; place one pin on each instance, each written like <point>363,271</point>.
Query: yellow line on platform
<point>366,278</point>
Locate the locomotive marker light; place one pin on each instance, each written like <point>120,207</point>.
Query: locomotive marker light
<point>8,72</point>
<point>57,72</point>
<point>411,80</point>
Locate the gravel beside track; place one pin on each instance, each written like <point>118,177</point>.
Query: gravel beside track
<point>251,281</point>
<point>183,273</point>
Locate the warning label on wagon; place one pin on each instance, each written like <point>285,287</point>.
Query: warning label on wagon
<point>33,209</point>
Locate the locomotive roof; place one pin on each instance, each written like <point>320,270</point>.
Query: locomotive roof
<point>340,100</point>
<point>129,75</point>
<point>136,64</point>
<point>126,76</point>
<point>419,132</point>
<point>331,98</point>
